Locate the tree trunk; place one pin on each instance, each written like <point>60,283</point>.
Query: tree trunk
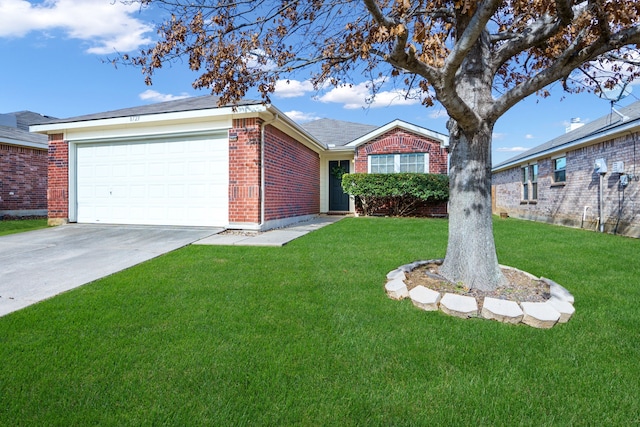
<point>471,255</point>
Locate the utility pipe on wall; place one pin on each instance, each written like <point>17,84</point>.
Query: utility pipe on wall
<point>584,215</point>
<point>601,203</point>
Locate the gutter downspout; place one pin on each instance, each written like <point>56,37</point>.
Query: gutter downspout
<point>601,204</point>
<point>262,184</point>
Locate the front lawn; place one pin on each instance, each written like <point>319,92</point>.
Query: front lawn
<point>304,335</point>
<point>21,225</point>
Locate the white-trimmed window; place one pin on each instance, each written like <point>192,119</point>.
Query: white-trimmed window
<point>529,178</point>
<point>396,163</point>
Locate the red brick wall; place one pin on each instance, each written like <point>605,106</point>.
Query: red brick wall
<point>399,141</point>
<point>58,191</point>
<point>292,177</point>
<point>244,171</point>
<point>23,178</point>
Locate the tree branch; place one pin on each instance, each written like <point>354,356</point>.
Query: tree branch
<point>565,11</point>
<point>536,33</point>
<point>469,37</point>
<point>572,58</point>
<point>377,14</point>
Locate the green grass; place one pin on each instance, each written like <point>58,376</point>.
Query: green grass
<point>304,335</point>
<point>21,225</point>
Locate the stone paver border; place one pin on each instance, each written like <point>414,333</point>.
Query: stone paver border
<point>557,309</point>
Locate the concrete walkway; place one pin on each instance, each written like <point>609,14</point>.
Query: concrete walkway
<point>278,237</point>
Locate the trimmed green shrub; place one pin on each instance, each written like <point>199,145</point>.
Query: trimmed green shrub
<point>400,193</point>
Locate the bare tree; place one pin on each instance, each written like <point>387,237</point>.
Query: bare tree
<point>477,58</point>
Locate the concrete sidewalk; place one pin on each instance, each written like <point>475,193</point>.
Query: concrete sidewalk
<point>278,237</point>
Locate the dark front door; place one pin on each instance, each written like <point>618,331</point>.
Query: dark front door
<point>338,199</point>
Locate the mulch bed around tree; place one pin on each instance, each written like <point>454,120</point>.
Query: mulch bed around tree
<point>521,287</point>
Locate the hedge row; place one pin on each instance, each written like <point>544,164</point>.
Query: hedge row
<point>400,193</point>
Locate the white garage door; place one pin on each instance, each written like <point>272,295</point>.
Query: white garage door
<point>160,182</point>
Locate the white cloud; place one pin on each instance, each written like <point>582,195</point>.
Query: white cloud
<point>153,96</point>
<point>497,135</point>
<point>359,96</point>
<point>529,136</point>
<point>292,88</point>
<point>511,149</point>
<point>106,25</point>
<point>301,117</point>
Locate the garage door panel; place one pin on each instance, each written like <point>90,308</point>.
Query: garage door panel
<point>178,182</point>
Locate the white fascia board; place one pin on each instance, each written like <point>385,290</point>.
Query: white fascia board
<point>572,145</point>
<point>444,139</point>
<point>342,149</point>
<point>150,118</point>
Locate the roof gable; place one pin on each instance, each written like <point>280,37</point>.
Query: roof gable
<point>443,139</point>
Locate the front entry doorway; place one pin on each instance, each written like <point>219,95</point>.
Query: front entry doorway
<point>338,199</point>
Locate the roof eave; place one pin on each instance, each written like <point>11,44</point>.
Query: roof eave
<point>148,118</point>
<point>574,144</point>
<point>21,143</point>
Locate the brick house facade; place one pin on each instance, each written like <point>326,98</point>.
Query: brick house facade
<point>402,141</point>
<point>23,168</point>
<point>258,169</point>
<point>291,174</point>
<point>572,197</point>
<point>350,146</point>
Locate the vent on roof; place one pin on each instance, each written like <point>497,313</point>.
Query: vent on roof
<point>575,124</point>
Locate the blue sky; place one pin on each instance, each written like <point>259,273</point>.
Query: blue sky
<point>55,56</point>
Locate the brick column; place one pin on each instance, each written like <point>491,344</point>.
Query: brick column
<point>58,180</point>
<point>244,171</point>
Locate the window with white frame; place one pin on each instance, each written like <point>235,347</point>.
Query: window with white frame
<point>396,163</point>
<point>382,163</point>
<point>529,178</point>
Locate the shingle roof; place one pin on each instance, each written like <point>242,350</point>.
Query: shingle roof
<point>20,135</point>
<point>28,118</point>
<point>185,104</point>
<point>590,130</point>
<point>15,136</point>
<point>338,132</point>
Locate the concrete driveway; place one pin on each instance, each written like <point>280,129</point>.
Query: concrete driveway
<point>40,264</point>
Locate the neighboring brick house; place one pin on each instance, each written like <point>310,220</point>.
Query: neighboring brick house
<point>397,146</point>
<point>23,166</point>
<point>586,178</point>
<point>190,162</point>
